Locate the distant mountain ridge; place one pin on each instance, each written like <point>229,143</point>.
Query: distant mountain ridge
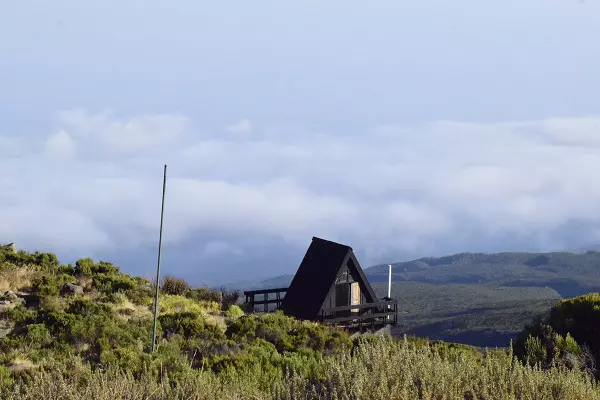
<point>570,274</point>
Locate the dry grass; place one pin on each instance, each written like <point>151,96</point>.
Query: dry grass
<point>15,278</point>
<point>20,364</point>
<point>125,309</point>
<point>386,370</point>
<point>169,304</point>
<point>85,282</point>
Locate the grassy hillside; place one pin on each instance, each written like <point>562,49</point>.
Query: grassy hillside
<point>83,332</point>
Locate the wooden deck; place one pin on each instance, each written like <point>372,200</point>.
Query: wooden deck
<point>355,317</point>
<point>362,316</point>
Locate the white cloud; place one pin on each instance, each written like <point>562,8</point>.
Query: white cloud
<point>241,128</point>
<point>124,135</point>
<point>60,145</point>
<point>392,190</point>
<point>579,132</point>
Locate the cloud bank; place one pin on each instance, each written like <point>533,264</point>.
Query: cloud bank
<point>93,186</point>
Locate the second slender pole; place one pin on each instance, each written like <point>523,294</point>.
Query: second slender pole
<point>162,212</point>
<point>390,282</point>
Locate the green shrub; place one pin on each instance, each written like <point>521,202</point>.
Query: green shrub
<point>288,334</point>
<point>580,317</point>
<point>540,344</point>
<point>108,283</point>
<point>21,258</point>
<point>141,293</point>
<point>50,285</point>
<point>6,378</point>
<point>188,325</point>
<point>37,334</point>
<point>116,298</point>
<point>88,308</point>
<point>175,286</point>
<point>104,267</point>
<point>234,312</point>
<point>21,315</point>
<point>87,266</point>
<point>205,294</point>
<point>84,266</point>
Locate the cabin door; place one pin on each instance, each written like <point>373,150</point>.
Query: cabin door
<point>354,295</point>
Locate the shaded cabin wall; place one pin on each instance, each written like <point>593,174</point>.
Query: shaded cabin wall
<point>342,291</point>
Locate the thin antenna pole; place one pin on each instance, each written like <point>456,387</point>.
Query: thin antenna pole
<point>390,283</point>
<point>162,212</point>
<point>389,288</point>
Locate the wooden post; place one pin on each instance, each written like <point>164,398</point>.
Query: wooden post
<point>278,296</point>
<point>266,305</point>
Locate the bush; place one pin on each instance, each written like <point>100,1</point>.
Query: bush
<point>188,325</point>
<point>44,261</point>
<point>6,378</point>
<point>50,285</point>
<point>229,298</point>
<point>84,266</point>
<point>579,316</point>
<point>288,334</point>
<point>175,286</point>
<point>116,298</point>
<point>37,334</point>
<point>170,304</point>
<point>141,293</point>
<point>113,283</point>
<point>234,312</point>
<point>21,315</point>
<point>540,344</point>
<point>205,294</point>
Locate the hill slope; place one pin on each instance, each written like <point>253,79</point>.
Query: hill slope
<point>83,332</point>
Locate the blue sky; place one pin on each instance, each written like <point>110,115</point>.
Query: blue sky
<point>403,129</point>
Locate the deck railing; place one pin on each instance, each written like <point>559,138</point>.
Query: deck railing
<point>366,315</point>
<point>265,298</point>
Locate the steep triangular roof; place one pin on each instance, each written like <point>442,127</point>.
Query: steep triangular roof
<point>317,273</point>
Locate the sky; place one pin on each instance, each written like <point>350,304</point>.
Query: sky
<point>403,129</point>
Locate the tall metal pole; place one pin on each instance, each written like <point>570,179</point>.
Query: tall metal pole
<point>389,288</point>
<point>390,282</point>
<point>162,212</point>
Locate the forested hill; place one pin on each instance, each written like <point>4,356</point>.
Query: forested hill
<point>570,274</point>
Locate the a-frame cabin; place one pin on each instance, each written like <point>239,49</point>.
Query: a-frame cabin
<point>329,286</point>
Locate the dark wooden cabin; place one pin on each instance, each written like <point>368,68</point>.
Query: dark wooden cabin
<point>329,286</point>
